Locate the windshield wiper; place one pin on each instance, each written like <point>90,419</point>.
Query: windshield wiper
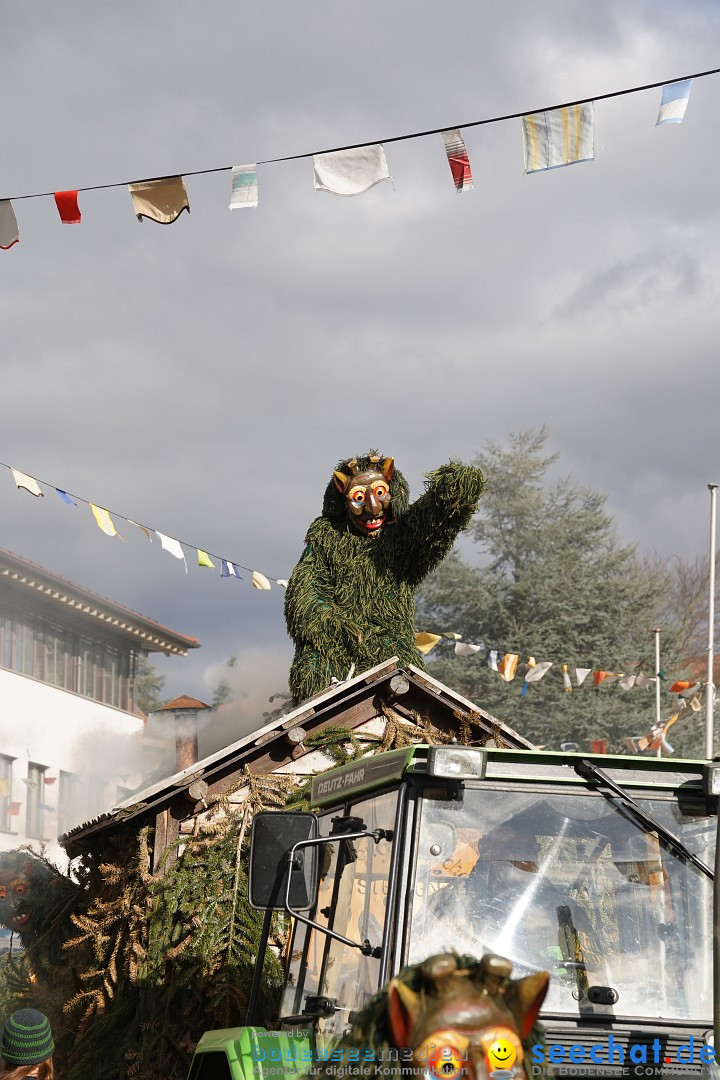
<point>588,771</point>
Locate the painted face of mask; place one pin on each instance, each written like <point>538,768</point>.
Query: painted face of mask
<point>15,902</point>
<point>367,496</point>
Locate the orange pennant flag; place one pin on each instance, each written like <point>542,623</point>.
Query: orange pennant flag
<point>599,676</point>
<point>508,666</point>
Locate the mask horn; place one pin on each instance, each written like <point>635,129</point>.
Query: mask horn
<point>341,481</point>
<point>387,468</point>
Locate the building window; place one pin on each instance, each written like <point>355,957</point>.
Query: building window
<point>69,802</point>
<point>6,764</point>
<point>34,819</point>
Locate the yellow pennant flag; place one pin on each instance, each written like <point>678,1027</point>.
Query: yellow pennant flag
<point>104,520</point>
<point>204,559</point>
<point>425,643</point>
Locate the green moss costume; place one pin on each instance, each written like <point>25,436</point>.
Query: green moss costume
<point>349,600</point>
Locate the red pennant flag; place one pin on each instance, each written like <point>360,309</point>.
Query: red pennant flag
<point>14,808</point>
<point>67,204</point>
<point>600,676</point>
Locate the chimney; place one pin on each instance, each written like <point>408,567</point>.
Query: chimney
<point>184,710</point>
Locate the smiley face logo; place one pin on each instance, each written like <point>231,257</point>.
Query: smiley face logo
<point>501,1055</point>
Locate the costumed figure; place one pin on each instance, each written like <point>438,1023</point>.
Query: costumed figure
<point>451,1016</point>
<point>349,602</point>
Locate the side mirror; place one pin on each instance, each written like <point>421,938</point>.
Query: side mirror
<point>273,836</point>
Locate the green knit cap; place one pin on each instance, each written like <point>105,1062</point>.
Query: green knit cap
<point>27,1038</point>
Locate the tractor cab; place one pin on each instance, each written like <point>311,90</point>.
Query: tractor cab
<point>597,869</point>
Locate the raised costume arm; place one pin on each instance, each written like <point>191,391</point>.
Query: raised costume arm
<point>426,532</point>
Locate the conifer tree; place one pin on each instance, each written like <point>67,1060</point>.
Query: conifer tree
<point>553,582</point>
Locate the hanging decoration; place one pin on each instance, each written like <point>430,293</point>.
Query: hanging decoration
<point>174,547</point>
<point>68,209</point>
<point>26,483</point>
<point>160,200</point>
<point>9,234</point>
<point>104,520</point>
<point>458,160</point>
<point>350,172</point>
<point>553,137</point>
<point>674,102</point>
<point>559,137</point>
<point>244,185</point>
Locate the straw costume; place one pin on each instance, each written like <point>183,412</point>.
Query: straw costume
<point>349,602</point>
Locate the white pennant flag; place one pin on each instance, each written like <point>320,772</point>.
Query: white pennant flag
<point>581,673</point>
<point>675,97</point>
<point>350,172</point>
<point>244,187</point>
<point>9,234</point>
<point>27,483</point>
<point>260,581</point>
<point>627,682</point>
<point>559,137</point>
<point>536,672</point>
<point>493,659</point>
<point>464,648</point>
<point>172,546</point>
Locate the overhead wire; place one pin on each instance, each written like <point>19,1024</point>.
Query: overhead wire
<point>389,139</point>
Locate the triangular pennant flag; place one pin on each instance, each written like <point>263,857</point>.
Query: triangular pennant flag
<point>493,659</point>
<point>244,187</point>
<point>453,637</point>
<point>204,559</point>
<point>611,677</point>
<point>49,779</point>
<point>283,582</point>
<point>46,806</point>
<point>27,483</point>
<point>537,671</point>
<point>160,200</point>
<point>559,137</point>
<point>464,648</point>
<point>567,683</point>
<point>458,160</point>
<point>508,666</point>
<point>350,172</point>
<point>14,809</point>
<point>9,234</point>
<point>680,685</point>
<point>4,788</point>
<point>172,546</point>
<point>600,676</point>
<point>695,704</point>
<point>581,674</point>
<point>32,784</point>
<point>65,497</point>
<point>68,209</point>
<point>675,97</point>
<point>104,520</point>
<point>229,569</point>
<point>627,682</point>
<point>425,643</point>
<point>260,581</point>
<point>143,529</point>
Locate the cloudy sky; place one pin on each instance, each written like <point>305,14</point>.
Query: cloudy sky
<point>204,377</point>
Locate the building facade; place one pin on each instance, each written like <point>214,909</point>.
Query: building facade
<point>71,736</point>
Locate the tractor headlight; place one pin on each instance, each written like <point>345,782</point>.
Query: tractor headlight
<point>457,762</point>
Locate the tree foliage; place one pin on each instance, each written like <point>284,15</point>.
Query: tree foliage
<point>553,583</point>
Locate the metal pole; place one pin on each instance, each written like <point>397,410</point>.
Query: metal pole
<point>710,685</point>
<point>658,724</point>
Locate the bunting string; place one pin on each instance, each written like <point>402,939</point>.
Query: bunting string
<point>104,519</point>
<point>555,135</point>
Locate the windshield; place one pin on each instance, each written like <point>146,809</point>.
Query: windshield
<point>570,883</point>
